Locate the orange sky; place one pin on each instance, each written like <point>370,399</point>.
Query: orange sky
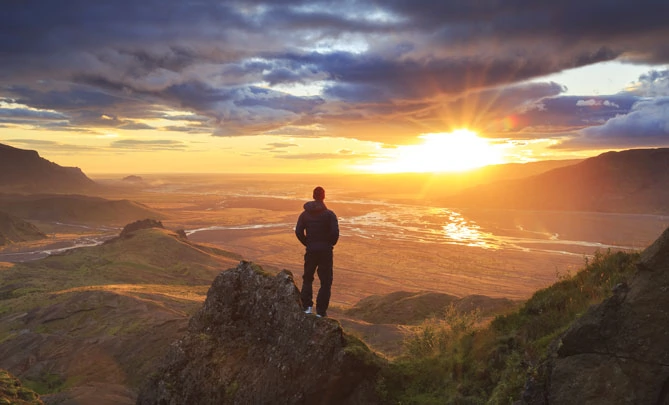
<point>227,86</point>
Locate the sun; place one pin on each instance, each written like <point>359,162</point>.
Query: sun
<point>455,151</point>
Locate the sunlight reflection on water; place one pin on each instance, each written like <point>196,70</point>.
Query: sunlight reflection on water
<point>460,230</point>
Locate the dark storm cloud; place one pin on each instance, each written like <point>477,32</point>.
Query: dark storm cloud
<point>381,61</point>
<point>19,113</point>
<point>575,111</point>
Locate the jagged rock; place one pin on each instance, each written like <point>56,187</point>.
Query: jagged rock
<point>618,351</point>
<point>252,344</point>
<point>142,224</point>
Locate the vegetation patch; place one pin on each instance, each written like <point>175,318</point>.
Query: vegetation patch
<point>12,392</point>
<point>450,360</point>
<point>46,383</point>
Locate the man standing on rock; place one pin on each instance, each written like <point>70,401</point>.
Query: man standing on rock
<point>318,229</point>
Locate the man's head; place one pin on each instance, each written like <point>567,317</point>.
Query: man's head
<point>319,193</point>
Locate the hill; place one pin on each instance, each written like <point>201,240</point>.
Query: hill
<point>77,209</point>
<point>13,393</point>
<point>410,308</point>
<point>632,181</point>
<point>429,188</point>
<point>13,229</point>
<point>25,171</point>
<point>100,316</point>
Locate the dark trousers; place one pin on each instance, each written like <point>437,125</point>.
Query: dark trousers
<point>320,261</point>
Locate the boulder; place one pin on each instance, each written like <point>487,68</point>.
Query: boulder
<point>251,343</point>
<point>618,351</point>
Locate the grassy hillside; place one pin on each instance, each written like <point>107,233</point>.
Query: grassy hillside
<point>100,316</point>
<point>12,392</point>
<point>408,308</point>
<point>75,209</point>
<point>89,325</point>
<point>450,361</point>
<point>14,229</point>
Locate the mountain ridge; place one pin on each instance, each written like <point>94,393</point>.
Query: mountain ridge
<point>23,170</point>
<point>631,181</point>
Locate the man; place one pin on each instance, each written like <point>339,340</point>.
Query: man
<point>317,228</point>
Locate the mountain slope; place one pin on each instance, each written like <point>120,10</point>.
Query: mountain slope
<point>616,352</point>
<point>12,392</point>
<point>632,181</point>
<point>13,229</point>
<point>24,170</point>
<point>99,317</point>
<point>75,209</point>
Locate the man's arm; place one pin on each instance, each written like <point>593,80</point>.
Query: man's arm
<point>334,229</point>
<point>299,230</point>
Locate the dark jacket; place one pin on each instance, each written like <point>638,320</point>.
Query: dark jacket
<point>317,227</point>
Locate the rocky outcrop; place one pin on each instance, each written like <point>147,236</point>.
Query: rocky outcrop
<point>618,352</point>
<point>141,224</point>
<point>252,344</point>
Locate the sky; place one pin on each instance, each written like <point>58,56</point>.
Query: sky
<point>330,86</point>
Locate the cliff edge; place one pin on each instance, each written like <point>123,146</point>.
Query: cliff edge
<point>252,344</point>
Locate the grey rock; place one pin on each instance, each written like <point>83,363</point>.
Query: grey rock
<point>252,344</point>
<point>618,351</point>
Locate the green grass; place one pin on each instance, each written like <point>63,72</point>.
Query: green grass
<point>12,392</point>
<point>450,361</point>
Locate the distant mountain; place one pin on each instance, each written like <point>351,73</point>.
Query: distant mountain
<point>75,209</point>
<point>25,171</point>
<point>14,229</point>
<point>632,181</point>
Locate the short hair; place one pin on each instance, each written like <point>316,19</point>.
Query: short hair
<point>319,193</point>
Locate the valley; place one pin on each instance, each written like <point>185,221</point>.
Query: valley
<point>88,309</point>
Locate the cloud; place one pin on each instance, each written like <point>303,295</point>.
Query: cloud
<point>282,144</point>
<point>342,155</point>
<point>23,113</point>
<point>144,145</point>
<point>647,124</point>
<point>53,147</point>
<point>653,84</point>
<point>408,65</point>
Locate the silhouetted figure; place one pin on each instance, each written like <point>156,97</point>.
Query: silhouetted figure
<point>318,229</point>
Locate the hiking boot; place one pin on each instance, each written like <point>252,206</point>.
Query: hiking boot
<point>309,310</point>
